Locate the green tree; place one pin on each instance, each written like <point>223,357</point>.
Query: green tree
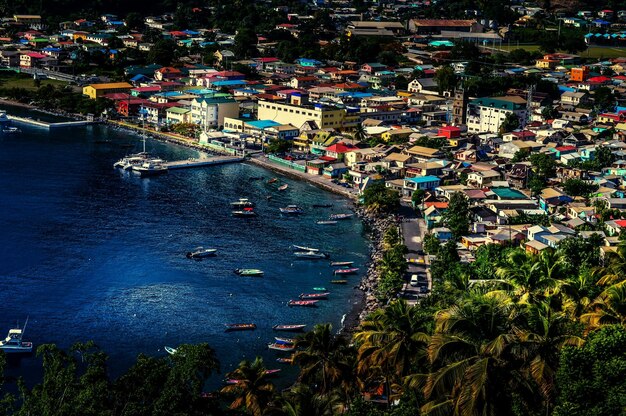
<point>548,112</point>
<point>520,156</point>
<point>578,187</point>
<point>457,216</point>
<point>162,52</point>
<point>379,199</point>
<point>592,377</point>
<point>245,43</point>
<point>446,79</point>
<point>510,123</point>
<point>543,165</point>
<point>418,197</point>
<point>431,244</point>
<point>277,146</point>
<point>604,99</point>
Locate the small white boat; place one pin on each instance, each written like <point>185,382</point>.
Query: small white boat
<point>341,216</point>
<point>242,203</point>
<point>170,350</point>
<point>11,130</point>
<point>249,272</point>
<point>200,252</point>
<point>303,248</point>
<point>291,210</point>
<point>312,255</point>
<point>283,187</point>
<point>329,222</point>
<point>13,342</point>
<point>150,168</point>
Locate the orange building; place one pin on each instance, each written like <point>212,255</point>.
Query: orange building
<point>579,74</point>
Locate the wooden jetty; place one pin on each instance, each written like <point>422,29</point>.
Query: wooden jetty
<point>46,125</point>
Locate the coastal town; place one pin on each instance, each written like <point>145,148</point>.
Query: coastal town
<point>484,150</point>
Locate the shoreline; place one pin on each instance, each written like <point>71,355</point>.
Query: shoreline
<point>363,301</point>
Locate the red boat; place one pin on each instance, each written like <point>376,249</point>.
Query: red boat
<point>305,296</point>
<point>302,303</point>
<point>347,271</point>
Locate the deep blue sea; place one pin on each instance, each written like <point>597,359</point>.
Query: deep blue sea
<point>91,253</point>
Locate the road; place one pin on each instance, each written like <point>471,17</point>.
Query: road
<point>413,230</point>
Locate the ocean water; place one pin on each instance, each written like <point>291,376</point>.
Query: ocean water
<point>91,253</point>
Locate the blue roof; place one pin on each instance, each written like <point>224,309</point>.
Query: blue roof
<point>227,83</point>
<point>139,77</point>
<point>423,179</point>
<point>262,124</point>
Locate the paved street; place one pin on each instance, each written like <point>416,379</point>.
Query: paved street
<point>413,230</point>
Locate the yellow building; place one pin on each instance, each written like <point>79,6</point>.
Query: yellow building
<point>323,116</point>
<point>396,135</point>
<point>94,91</point>
<point>27,18</point>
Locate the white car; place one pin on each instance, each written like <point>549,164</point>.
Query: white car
<point>413,281</point>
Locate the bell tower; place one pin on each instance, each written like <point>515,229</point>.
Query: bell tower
<point>459,106</point>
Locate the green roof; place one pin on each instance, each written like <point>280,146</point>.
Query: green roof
<point>177,110</point>
<point>500,102</point>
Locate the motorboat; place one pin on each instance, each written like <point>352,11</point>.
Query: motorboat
<point>289,328</point>
<point>311,255</point>
<point>322,205</point>
<point>283,187</point>
<point>352,270</point>
<point>339,282</point>
<point>291,210</point>
<point>272,180</point>
<point>280,347</point>
<point>281,340</point>
<point>240,327</point>
<point>242,203</point>
<point>303,248</point>
<point>341,263</point>
<point>244,213</point>
<point>150,167</point>
<point>327,222</point>
<point>309,303</point>
<point>249,272</point>
<point>341,216</point>
<point>285,360</point>
<point>319,289</point>
<point>13,343</point>
<point>11,130</point>
<point>170,350</point>
<point>4,119</point>
<point>200,253</point>
<point>313,296</point>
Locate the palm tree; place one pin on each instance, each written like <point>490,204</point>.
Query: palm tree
<point>470,374</point>
<point>253,390</point>
<point>359,133</point>
<point>325,359</point>
<point>608,308</point>
<point>392,343</point>
<point>301,400</point>
<point>544,332</point>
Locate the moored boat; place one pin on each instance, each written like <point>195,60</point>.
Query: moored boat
<point>311,255</point>
<point>247,212</point>
<point>242,203</point>
<point>283,187</point>
<point>249,272</point>
<point>322,205</point>
<point>272,180</point>
<point>309,303</point>
<point>170,350</point>
<point>340,216</point>
<point>200,253</point>
<point>272,371</point>
<point>329,222</point>
<point>289,328</point>
<point>282,340</point>
<point>13,343</point>
<point>150,168</point>
<point>341,263</point>
<point>291,210</point>
<point>319,289</point>
<point>353,270</point>
<point>303,248</point>
<point>285,360</point>
<point>280,347</point>
<point>307,296</point>
<point>240,327</point>
<point>339,282</point>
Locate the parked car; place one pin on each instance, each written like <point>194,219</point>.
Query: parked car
<point>414,280</point>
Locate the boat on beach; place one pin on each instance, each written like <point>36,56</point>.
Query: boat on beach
<point>200,253</point>
<point>341,216</point>
<point>310,255</point>
<point>339,282</point>
<point>291,210</point>
<point>249,272</point>
<point>326,222</point>
<point>242,203</point>
<point>283,187</point>
<point>13,343</point>
<point>289,328</point>
<point>352,270</point>
<point>341,263</point>
<point>280,347</point>
<point>303,248</point>
<point>240,327</point>
<point>306,303</point>
<point>309,296</point>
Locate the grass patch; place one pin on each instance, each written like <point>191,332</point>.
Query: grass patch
<point>591,52</point>
<point>8,80</point>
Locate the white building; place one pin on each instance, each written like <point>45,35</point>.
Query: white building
<point>210,112</point>
<point>486,115</point>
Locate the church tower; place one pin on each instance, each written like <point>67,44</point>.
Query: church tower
<point>459,107</point>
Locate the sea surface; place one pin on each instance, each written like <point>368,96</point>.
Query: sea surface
<point>91,253</point>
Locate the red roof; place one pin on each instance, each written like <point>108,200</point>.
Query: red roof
<point>267,60</point>
<point>449,128</point>
<point>565,148</point>
<point>621,223</point>
<point>340,148</point>
<point>327,158</point>
<point>168,70</point>
<point>599,79</point>
<point>436,204</point>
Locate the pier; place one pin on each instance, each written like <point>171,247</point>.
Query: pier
<point>46,125</point>
<point>205,161</point>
